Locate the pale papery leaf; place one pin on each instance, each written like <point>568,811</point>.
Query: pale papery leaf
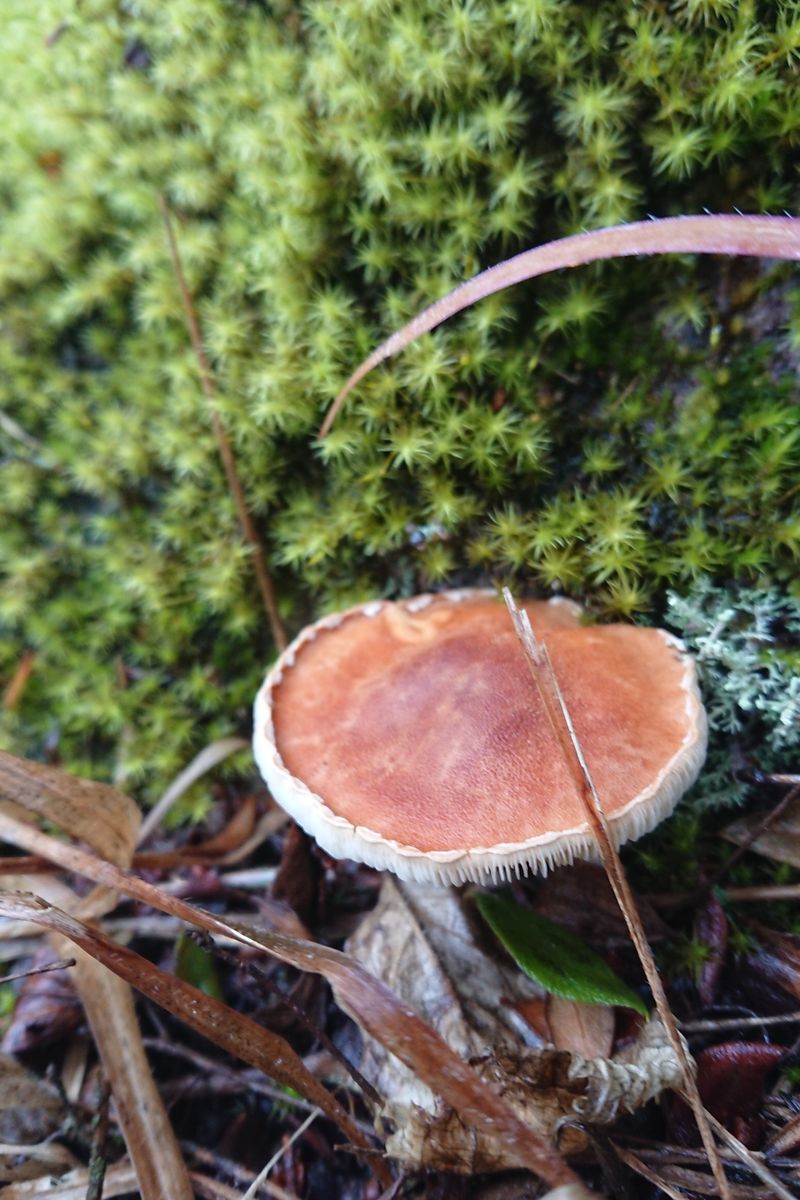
<point>760,236</point>
<point>780,840</point>
<point>585,1029</point>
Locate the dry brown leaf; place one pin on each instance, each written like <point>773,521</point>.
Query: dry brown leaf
<point>425,943</point>
<point>580,898</point>
<point>107,820</point>
<point>780,841</point>
<point>30,1109</point>
<point>584,1029</point>
<point>47,1007</point>
<point>366,999</point>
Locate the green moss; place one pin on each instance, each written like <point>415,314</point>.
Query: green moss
<point>334,166</point>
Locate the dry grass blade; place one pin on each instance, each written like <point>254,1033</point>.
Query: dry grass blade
<point>235,1033</point>
<point>255,1186</point>
<point>109,1007</point>
<point>545,680</point>
<point>209,385</point>
<point>369,1002</point>
<point>200,765</point>
<point>54,966</point>
<point>764,237</point>
<point>648,1173</point>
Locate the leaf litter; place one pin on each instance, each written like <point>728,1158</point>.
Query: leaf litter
<point>426,944</point>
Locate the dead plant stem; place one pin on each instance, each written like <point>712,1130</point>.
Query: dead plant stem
<point>209,386</point>
<point>546,682</point>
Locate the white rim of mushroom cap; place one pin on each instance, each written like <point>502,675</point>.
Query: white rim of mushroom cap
<point>340,838</point>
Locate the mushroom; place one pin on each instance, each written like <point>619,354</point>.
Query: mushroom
<point>408,735</point>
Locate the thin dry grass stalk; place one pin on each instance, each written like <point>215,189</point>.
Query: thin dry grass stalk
<point>54,966</point>
<point>545,680</point>
<point>208,758</point>
<point>209,385</point>
<point>255,1186</point>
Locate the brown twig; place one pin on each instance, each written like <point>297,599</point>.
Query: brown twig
<point>98,1160</point>
<point>555,707</point>
<point>209,386</point>
<point>19,680</point>
<point>767,893</point>
<point>738,1023</point>
<point>54,966</point>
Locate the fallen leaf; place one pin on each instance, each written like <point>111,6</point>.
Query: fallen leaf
<point>731,1079</point>
<point>47,1008</point>
<point>426,943</point>
<point>107,820</point>
<point>585,1029</point>
<point>30,1109</point>
<point>779,841</point>
<point>558,960</point>
<point>711,931</point>
<point>775,961</point>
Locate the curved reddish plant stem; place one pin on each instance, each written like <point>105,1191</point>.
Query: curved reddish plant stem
<point>762,237</point>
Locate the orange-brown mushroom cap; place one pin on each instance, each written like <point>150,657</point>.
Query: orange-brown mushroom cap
<point>410,736</point>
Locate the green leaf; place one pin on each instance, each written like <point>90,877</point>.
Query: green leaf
<point>194,964</point>
<point>552,956</point>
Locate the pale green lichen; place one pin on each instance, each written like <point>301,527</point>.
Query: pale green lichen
<point>746,642</point>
